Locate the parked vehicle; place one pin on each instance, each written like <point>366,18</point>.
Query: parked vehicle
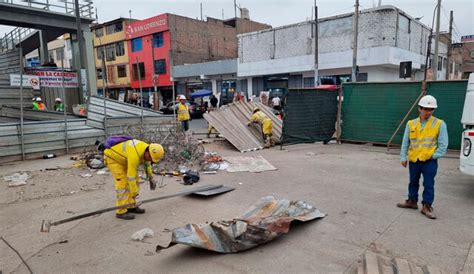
<point>195,110</point>
<point>467,150</point>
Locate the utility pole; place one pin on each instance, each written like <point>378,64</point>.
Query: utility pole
<point>82,53</point>
<point>316,45</point>
<point>435,57</point>
<point>355,32</point>
<point>235,8</point>
<point>448,62</point>
<point>380,3</point>
<point>201,11</point>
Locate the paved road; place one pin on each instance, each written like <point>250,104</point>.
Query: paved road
<point>357,186</point>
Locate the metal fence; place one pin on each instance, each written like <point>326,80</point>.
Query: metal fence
<point>39,138</point>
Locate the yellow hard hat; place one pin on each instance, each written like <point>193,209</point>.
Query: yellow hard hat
<point>156,152</point>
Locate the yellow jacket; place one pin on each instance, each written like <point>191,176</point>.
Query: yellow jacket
<point>263,120</point>
<point>130,154</point>
<point>183,112</point>
<point>423,143</point>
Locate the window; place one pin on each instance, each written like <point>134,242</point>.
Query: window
<point>99,32</point>
<point>110,52</point>
<point>122,71</point>
<point>440,63</point>
<point>119,49</point>
<point>160,66</point>
<point>117,27</point>
<point>472,53</point>
<point>136,44</point>
<point>100,51</point>
<point>158,40</point>
<point>141,67</point>
<point>60,53</point>
<point>99,73</point>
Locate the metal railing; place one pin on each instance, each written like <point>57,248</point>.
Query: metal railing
<point>11,39</point>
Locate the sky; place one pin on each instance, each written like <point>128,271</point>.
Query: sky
<point>283,12</point>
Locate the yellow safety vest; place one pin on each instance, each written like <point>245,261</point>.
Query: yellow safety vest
<point>183,112</point>
<point>423,142</point>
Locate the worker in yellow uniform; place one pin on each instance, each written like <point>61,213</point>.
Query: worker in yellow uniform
<point>123,160</point>
<point>266,123</point>
<point>183,113</point>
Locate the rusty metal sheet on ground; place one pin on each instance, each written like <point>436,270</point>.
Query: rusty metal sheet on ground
<point>264,221</point>
<point>248,164</point>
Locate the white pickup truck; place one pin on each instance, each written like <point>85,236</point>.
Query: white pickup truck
<point>467,146</point>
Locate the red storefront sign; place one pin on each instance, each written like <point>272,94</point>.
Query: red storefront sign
<point>146,27</point>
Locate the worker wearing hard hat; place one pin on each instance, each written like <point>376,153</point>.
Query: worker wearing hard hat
<point>183,112</point>
<point>425,141</point>
<point>266,124</point>
<point>123,160</point>
<point>58,105</point>
<point>38,104</point>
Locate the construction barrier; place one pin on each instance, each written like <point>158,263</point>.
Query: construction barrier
<point>310,115</point>
<point>371,112</point>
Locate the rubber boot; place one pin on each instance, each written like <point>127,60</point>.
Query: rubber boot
<point>125,216</point>
<point>267,143</point>
<point>136,210</point>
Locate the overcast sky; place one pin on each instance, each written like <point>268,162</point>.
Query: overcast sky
<point>283,12</point>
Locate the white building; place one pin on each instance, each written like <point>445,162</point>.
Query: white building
<point>284,56</point>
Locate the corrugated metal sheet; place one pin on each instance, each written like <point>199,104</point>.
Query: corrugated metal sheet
<point>266,220</point>
<point>118,125</point>
<point>32,115</point>
<point>10,96</point>
<point>231,121</point>
<point>45,137</point>
<point>95,111</point>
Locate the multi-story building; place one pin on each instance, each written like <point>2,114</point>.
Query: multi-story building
<point>157,43</point>
<point>283,57</point>
<point>466,51</point>
<point>111,57</point>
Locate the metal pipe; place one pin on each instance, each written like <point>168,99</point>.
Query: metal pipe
<point>105,82</point>
<point>22,134</point>
<point>141,91</point>
<point>66,135</point>
<point>435,57</point>
<point>316,46</point>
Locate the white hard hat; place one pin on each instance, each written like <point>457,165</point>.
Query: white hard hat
<point>428,101</point>
<point>38,99</point>
<point>58,100</point>
<point>181,97</point>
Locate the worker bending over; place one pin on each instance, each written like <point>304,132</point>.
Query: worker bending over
<point>123,160</point>
<point>266,124</point>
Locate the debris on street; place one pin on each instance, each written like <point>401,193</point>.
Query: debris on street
<point>141,234</point>
<point>17,179</point>
<point>248,164</point>
<point>266,220</point>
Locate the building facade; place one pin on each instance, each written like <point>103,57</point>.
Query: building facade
<point>158,43</point>
<point>284,57</point>
<point>111,57</point>
<point>467,54</point>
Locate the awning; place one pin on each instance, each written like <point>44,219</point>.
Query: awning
<point>201,93</point>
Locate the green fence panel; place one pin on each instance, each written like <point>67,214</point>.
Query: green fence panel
<point>450,96</point>
<point>310,116</point>
<point>371,112</point>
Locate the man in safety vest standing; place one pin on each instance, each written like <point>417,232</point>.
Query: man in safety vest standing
<point>425,141</point>
<point>123,160</point>
<point>183,113</point>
